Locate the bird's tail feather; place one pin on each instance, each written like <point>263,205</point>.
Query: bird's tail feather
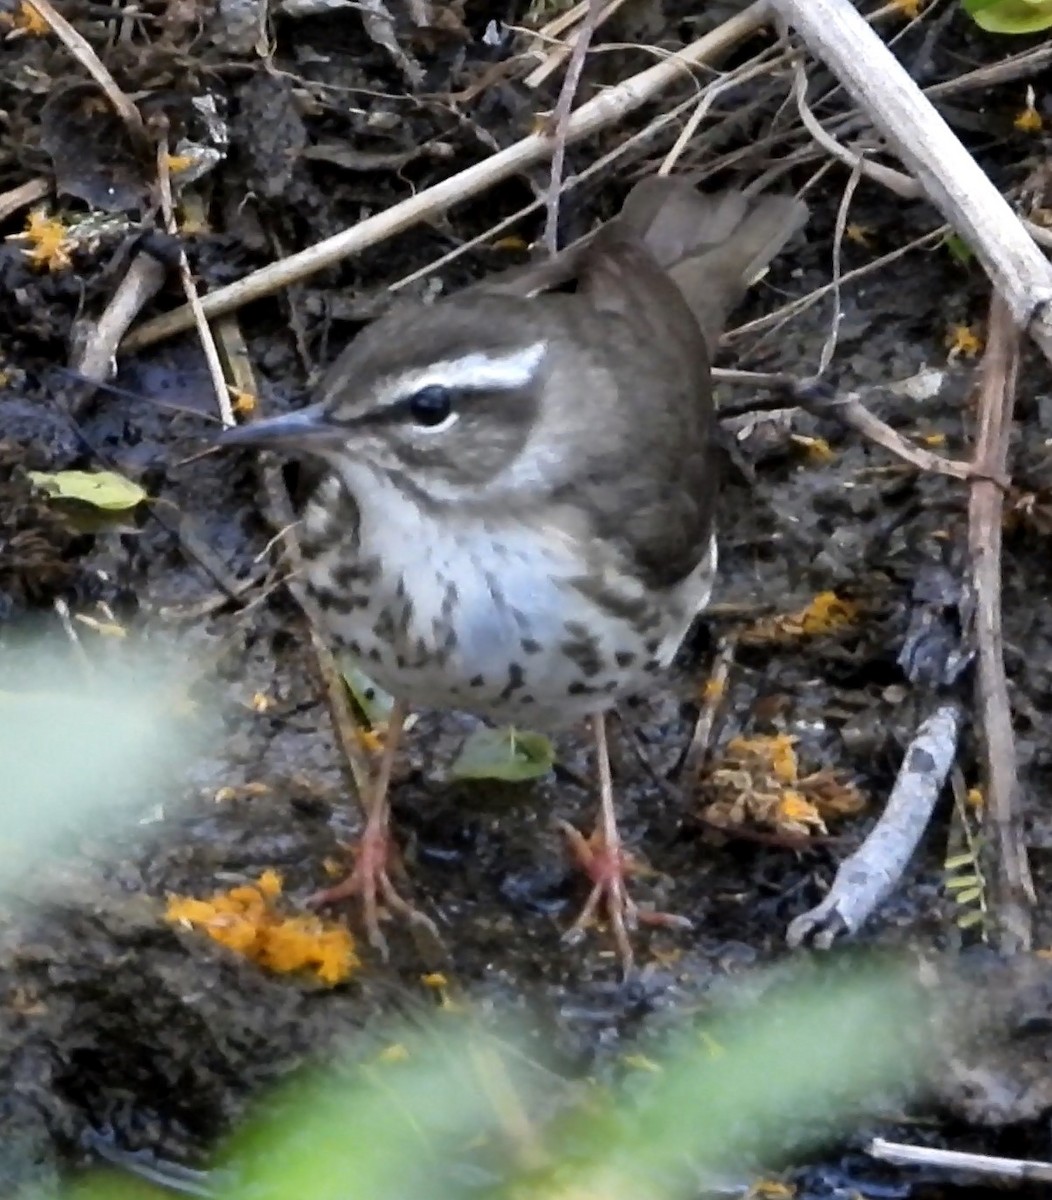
<point>713,246</point>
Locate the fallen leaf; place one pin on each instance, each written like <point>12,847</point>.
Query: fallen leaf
<point>374,702</point>
<point>101,489</point>
<point>509,754</point>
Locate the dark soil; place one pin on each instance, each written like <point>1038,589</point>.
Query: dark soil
<point>115,1021</point>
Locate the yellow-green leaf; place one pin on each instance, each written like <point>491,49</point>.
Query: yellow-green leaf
<point>970,918</point>
<point>958,883</point>
<point>509,754</point>
<point>1010,16</point>
<point>965,859</point>
<point>374,702</point>
<point>101,489</point>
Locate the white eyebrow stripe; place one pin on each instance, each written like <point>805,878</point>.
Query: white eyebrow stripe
<point>475,372</point>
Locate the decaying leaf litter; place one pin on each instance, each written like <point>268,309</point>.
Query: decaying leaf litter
<point>841,620</point>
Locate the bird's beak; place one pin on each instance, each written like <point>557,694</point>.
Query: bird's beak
<point>308,429</point>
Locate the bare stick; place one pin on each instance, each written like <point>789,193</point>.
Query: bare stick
<point>1013,888</point>
<point>714,694</point>
<point>866,878</point>
<point>569,46</point>
<point>850,410</point>
<point>563,110</point>
<point>902,1155</point>
<point>204,332</point>
<point>96,356</point>
<point>25,193</point>
<point>836,32</point>
<point>829,346</point>
<point>901,185</point>
<point>598,113</point>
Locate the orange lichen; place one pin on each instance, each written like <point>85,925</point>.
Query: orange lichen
<point>246,920</point>
<point>826,613</point>
<point>758,782</point>
<point>818,449</point>
<point>178,162</point>
<point>243,403</point>
<point>30,20</point>
<point>1028,120</point>
<point>49,245</point>
<point>240,791</point>
<point>371,740</point>
<point>908,8</point>
<point>963,342</point>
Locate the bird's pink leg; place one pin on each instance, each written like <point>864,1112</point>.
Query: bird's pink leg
<point>370,878</point>
<point>605,861</point>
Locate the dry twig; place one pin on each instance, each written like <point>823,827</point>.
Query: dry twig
<point>714,694</point>
<point>1013,890</point>
<point>867,877</point>
<point>579,13</point>
<point>902,1155</point>
<point>96,355</point>
<point>26,193</point>
<point>204,333</point>
<point>563,110</point>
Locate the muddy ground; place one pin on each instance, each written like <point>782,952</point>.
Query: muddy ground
<point>117,1022</point>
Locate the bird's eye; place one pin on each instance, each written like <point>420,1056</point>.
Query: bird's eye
<point>432,406</point>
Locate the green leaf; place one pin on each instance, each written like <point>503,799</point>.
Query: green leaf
<point>374,702</point>
<point>1010,16</point>
<point>101,489</point>
<point>509,754</point>
<point>958,883</point>
<point>959,249</point>
<point>970,896</point>
<point>965,859</point>
<point>971,918</point>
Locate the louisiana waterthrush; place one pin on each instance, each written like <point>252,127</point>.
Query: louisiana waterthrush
<point>517,518</point>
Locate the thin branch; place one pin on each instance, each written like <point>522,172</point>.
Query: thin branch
<point>95,356</point>
<point>830,344</point>
<point>902,185</point>
<point>902,1155</point>
<point>563,111</point>
<point>25,193</point>
<point>1013,886</point>
<point>867,877</point>
<point>204,333</point>
<point>558,53</point>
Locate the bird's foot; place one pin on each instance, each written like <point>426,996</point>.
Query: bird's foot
<point>370,880</point>
<point>609,866</point>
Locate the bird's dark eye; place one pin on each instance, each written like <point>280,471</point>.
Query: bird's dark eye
<point>431,405</point>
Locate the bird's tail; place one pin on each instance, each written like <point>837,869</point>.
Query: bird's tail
<point>713,246</point>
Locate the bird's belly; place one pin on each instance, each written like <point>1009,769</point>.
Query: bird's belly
<point>506,631</point>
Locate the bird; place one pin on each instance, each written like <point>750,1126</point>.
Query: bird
<point>516,512</point>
